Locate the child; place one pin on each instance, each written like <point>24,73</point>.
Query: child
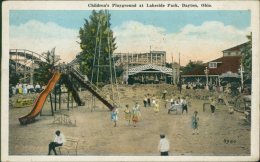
<point>156,108</point>
<point>114,116</point>
<point>194,124</point>
<point>212,106</point>
<point>171,101</point>
<point>164,94</point>
<point>153,101</point>
<point>135,117</point>
<point>127,115</point>
<point>165,103</point>
<point>184,106</point>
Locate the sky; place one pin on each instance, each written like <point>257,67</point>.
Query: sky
<point>196,35</point>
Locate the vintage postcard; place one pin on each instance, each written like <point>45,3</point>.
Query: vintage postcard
<point>130,81</point>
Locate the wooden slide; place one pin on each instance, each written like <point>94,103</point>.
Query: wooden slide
<point>30,117</point>
<point>72,89</point>
<point>93,90</point>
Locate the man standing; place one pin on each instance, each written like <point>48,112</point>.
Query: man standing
<point>148,101</point>
<point>17,89</point>
<point>164,145</point>
<point>58,141</point>
<point>30,88</point>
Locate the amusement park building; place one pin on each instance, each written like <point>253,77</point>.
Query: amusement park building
<point>224,69</point>
<point>146,67</point>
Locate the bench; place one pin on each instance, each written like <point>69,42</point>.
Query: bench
<point>204,104</point>
<point>175,108</point>
<point>70,144</point>
<point>64,118</point>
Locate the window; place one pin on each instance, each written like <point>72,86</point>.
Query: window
<point>212,65</point>
<point>229,53</point>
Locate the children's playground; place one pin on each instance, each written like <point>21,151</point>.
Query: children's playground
<point>86,115</point>
<point>82,113</point>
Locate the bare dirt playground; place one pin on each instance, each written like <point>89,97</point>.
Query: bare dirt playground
<point>98,136</point>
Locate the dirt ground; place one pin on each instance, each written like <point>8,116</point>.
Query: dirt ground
<point>98,136</point>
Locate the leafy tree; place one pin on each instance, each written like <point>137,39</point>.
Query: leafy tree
<point>43,75</point>
<point>246,60</point>
<point>234,88</point>
<point>94,39</point>
<point>169,65</point>
<point>13,79</point>
<point>194,64</point>
<point>191,66</point>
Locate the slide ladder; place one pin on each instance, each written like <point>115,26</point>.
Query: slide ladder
<point>72,89</point>
<point>30,117</point>
<point>93,89</point>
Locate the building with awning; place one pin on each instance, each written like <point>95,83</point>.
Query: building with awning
<point>224,67</point>
<point>221,70</point>
<point>146,68</point>
<point>150,73</point>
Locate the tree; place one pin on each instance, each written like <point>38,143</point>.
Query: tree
<point>194,64</point>
<point>13,77</point>
<point>94,38</point>
<point>43,75</point>
<point>191,66</point>
<point>234,88</point>
<point>246,60</point>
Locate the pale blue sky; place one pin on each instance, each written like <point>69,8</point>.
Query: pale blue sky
<point>171,20</point>
<point>197,35</point>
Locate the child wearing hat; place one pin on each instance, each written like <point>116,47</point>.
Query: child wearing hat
<point>156,108</point>
<point>153,101</point>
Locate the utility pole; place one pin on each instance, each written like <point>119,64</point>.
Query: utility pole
<point>241,71</point>
<point>206,73</point>
<point>179,71</point>
<point>172,70</point>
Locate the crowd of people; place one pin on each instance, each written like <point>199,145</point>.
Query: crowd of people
<point>26,89</point>
<point>135,114</point>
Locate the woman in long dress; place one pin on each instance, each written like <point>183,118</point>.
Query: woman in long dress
<point>138,110</point>
<point>127,115</point>
<point>135,116</point>
<point>24,91</point>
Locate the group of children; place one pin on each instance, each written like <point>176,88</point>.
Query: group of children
<point>128,115</point>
